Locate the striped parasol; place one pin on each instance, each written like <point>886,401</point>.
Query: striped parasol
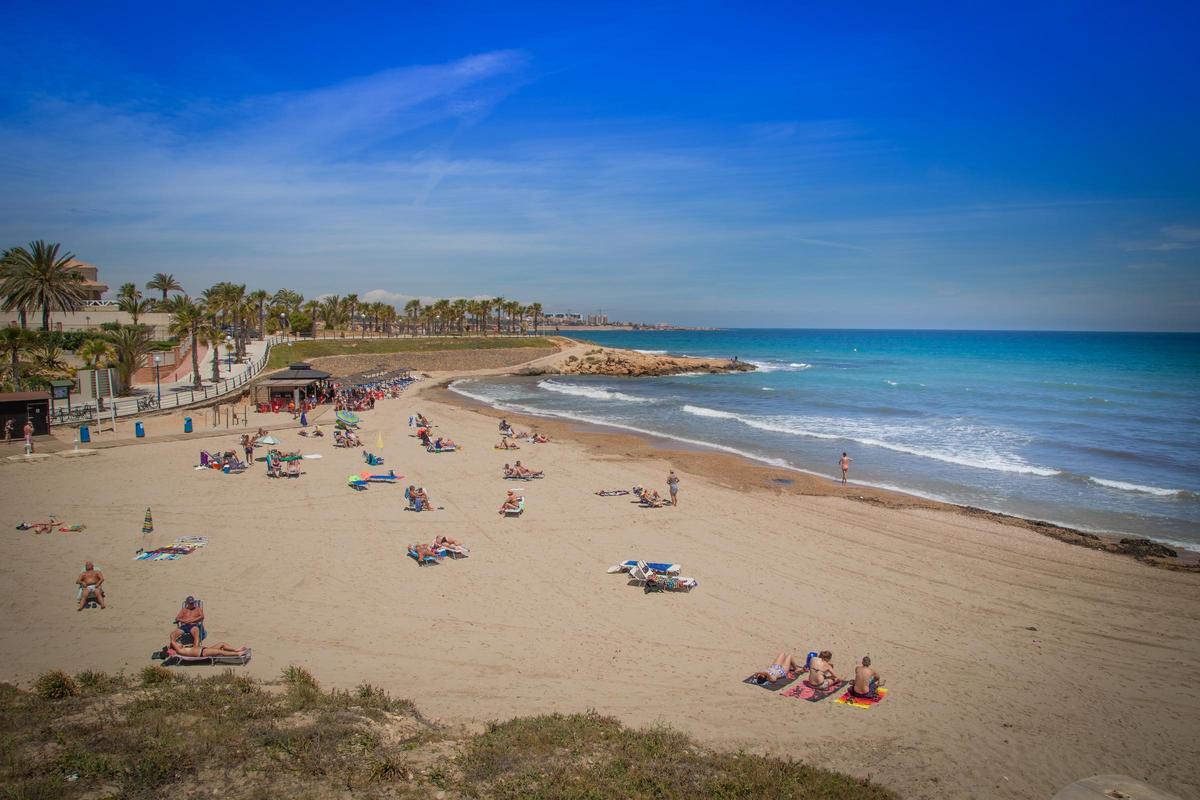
<point>148,523</point>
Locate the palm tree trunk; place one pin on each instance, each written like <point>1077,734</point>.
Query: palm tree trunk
<point>24,320</point>
<point>46,317</point>
<point>195,363</point>
<point>216,364</point>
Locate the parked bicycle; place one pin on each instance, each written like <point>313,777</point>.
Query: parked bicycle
<point>147,403</point>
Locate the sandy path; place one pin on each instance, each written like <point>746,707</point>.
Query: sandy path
<point>307,571</point>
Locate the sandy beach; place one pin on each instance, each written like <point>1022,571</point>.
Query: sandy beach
<point>1016,663</point>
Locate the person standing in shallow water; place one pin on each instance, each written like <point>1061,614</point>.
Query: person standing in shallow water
<point>845,465</point>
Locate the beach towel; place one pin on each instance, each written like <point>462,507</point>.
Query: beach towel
<point>863,702</point>
<point>803,691</point>
<point>173,659</point>
<point>773,686</point>
<point>612,492</point>
<point>424,560</point>
<point>267,440</point>
<point>183,546</point>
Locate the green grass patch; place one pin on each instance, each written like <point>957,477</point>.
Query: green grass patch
<point>282,355</point>
<point>151,738</point>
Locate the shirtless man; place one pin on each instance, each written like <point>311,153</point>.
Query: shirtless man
<point>203,650</point>
<point>844,462</point>
<point>505,444</point>
<point>91,580</point>
<point>820,671</point>
<point>424,498</point>
<point>511,503</point>
<point>191,618</point>
<point>523,472</point>
<point>866,680</point>
<point>784,664</point>
<point>425,550</point>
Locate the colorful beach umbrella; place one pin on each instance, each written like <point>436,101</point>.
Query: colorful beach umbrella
<point>347,417</point>
<point>148,523</point>
<point>379,441</point>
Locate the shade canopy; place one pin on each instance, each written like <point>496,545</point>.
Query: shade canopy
<point>299,372</point>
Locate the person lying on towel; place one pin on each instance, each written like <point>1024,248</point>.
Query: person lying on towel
<point>425,550</point>
<point>820,671</point>
<point>449,543</point>
<point>785,664</point>
<point>866,680</point>
<point>202,650</point>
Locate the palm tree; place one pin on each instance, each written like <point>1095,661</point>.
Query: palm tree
<point>128,290</point>
<point>333,311</point>
<point>134,305</point>
<point>498,303</point>
<point>412,310</point>
<point>389,318</point>
<point>514,314</point>
<point>313,308</point>
<point>94,351</point>
<point>13,343</point>
<point>351,307</point>
<point>163,282</point>
<point>209,332</point>
<point>48,358</point>
<point>259,298</point>
<point>7,268</point>
<point>38,277</point>
<point>535,310</point>
<point>186,317</point>
<point>131,344</point>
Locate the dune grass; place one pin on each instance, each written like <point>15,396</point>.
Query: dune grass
<point>282,355</point>
<point>225,735</point>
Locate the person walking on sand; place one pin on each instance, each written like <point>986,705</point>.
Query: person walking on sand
<point>844,463</point>
<point>673,485</point>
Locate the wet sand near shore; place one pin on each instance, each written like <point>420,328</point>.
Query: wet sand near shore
<point>1002,648</point>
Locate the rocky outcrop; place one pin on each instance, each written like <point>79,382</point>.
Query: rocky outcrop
<point>631,364</point>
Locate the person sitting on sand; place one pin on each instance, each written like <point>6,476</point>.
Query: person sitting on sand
<point>505,428</point>
<point>441,443</point>
<point>866,680</point>
<point>539,438</point>
<point>261,433</point>
<point>91,581</point>
<point>785,665</point>
<point>317,431</point>
<point>423,422</point>
<point>511,503</point>
<point>420,494</point>
<point>293,464</point>
<point>198,650</point>
<point>508,444</point>
<point>649,497</point>
<point>820,671</point>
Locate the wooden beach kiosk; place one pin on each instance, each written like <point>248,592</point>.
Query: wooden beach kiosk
<point>293,384</point>
<point>21,406</point>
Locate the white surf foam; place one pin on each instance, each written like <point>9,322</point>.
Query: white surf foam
<point>977,456</point>
<point>780,366</point>
<point>591,392</point>
<point>651,352</point>
<point>1136,487</point>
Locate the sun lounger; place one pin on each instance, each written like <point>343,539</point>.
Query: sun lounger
<point>356,483</point>
<point>660,567</point>
<point>173,659</point>
<point>651,581</point>
<point>455,551</point>
<point>388,477</point>
<point>516,477</point>
<point>518,511</point>
<point>422,561</point>
<point>432,449</point>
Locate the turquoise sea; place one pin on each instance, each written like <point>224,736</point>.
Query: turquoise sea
<point>1099,431</point>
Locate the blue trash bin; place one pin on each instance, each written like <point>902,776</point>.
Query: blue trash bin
<point>187,424</point>
<point>85,435</point>
<point>139,430</point>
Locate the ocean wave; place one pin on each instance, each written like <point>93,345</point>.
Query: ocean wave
<point>779,366</point>
<point>651,352</point>
<point>591,392</point>
<point>849,430</point>
<point>1137,487</point>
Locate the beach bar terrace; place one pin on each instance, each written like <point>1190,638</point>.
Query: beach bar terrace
<point>297,382</point>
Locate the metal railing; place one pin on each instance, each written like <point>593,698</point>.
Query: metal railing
<point>176,398</point>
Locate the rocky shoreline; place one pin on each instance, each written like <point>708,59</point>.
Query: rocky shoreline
<point>631,364</point>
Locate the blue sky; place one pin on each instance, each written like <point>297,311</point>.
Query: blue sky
<point>940,166</point>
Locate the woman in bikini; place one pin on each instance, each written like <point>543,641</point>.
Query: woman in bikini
<point>203,651</point>
<point>785,665</point>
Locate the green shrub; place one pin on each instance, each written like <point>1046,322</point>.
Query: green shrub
<point>156,675</point>
<point>55,685</point>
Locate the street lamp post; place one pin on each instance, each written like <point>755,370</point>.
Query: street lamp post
<point>229,353</point>
<point>157,382</point>
<point>283,324</point>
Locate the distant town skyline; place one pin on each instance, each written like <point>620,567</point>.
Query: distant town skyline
<point>1016,167</point>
